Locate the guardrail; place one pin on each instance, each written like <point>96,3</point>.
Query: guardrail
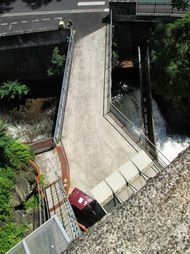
<point>41,146</point>
<point>139,137</point>
<point>108,67</point>
<point>64,89</point>
<point>136,135</point>
<point>158,8</point>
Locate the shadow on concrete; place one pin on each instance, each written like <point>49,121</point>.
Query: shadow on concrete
<point>85,23</point>
<point>5,6</point>
<point>36,4</point>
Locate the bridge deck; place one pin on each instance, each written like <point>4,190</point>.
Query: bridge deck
<point>93,147</point>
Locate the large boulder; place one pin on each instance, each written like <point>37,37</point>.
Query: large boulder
<point>25,186</point>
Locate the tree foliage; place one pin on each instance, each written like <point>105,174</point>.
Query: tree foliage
<point>57,63</point>
<point>180,4</point>
<point>13,157</point>
<point>10,234</point>
<point>171,57</point>
<point>13,153</point>
<point>11,90</point>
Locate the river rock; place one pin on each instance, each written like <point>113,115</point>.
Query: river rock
<point>24,187</point>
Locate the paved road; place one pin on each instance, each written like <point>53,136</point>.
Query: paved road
<point>18,6</point>
<point>83,24</point>
<point>20,16</point>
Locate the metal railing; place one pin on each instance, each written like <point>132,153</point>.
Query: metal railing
<point>64,89</point>
<point>158,8</point>
<point>139,137</point>
<point>72,221</point>
<point>108,67</point>
<point>136,135</point>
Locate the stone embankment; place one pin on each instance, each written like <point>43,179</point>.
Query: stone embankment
<point>155,220</point>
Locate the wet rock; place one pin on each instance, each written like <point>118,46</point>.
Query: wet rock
<point>25,186</point>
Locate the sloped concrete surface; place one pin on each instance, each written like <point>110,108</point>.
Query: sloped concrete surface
<point>93,147</point>
<point>156,220</point>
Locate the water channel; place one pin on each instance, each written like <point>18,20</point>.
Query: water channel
<point>168,143</point>
<point>31,121</point>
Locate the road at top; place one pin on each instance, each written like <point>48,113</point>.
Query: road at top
<point>19,6</point>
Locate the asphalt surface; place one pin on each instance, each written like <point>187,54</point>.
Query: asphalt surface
<point>18,6</point>
<point>23,16</point>
<point>83,24</point>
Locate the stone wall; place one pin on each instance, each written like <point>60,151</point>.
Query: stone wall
<point>155,220</point>
<point>28,56</point>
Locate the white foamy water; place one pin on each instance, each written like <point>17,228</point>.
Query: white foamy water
<point>169,145</point>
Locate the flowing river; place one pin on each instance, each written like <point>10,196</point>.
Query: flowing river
<point>169,144</point>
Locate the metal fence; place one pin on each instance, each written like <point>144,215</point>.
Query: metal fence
<point>50,237</point>
<point>139,137</point>
<point>158,8</point>
<point>128,126</point>
<point>108,67</point>
<point>64,89</point>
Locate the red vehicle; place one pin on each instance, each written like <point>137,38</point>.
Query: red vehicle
<point>87,210</point>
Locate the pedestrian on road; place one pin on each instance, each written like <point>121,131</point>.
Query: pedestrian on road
<point>70,23</point>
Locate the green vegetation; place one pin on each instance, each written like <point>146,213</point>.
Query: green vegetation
<point>115,55</point>
<point>42,180</point>
<point>31,202</point>
<point>10,234</point>
<point>57,63</point>
<point>171,58</point>
<point>14,157</point>
<point>11,90</point>
<point>180,4</point>
<point>115,59</point>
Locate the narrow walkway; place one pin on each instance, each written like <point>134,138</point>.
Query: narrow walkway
<point>94,148</point>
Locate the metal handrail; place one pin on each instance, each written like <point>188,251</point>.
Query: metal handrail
<point>160,8</point>
<point>64,89</point>
<point>139,137</point>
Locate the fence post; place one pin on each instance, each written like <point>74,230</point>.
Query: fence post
<point>154,8</point>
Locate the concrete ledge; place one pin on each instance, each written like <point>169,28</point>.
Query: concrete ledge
<point>129,171</point>
<point>116,182</point>
<point>125,194</point>
<point>142,161</point>
<point>102,193</point>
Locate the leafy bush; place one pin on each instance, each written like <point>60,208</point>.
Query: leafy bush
<point>13,157</point>
<point>115,59</point>
<point>57,63</point>
<point>10,234</point>
<point>7,182</point>
<point>171,57</point>
<point>31,202</point>
<point>180,4</point>
<point>13,90</point>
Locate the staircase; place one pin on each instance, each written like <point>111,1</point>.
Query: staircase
<point>59,204</point>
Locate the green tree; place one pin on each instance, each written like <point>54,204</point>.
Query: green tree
<point>11,90</point>
<point>180,4</point>
<point>13,153</point>
<point>171,58</point>
<point>10,234</point>
<point>57,63</point>
<point>13,157</point>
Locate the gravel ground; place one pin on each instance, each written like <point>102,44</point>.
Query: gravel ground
<point>155,220</point>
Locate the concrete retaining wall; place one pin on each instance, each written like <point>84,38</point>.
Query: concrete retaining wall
<point>28,56</point>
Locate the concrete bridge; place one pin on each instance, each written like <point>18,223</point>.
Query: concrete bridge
<point>93,146</point>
